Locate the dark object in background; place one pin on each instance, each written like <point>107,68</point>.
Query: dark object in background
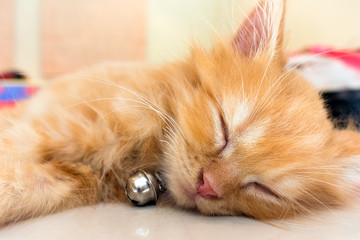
<point>12,75</point>
<point>343,107</point>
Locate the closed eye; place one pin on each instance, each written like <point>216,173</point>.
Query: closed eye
<point>261,188</point>
<point>225,132</point>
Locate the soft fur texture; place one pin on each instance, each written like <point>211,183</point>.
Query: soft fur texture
<point>231,121</point>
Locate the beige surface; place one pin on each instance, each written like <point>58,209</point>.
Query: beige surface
<point>124,222</point>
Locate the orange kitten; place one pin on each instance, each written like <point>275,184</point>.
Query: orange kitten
<point>232,132</point>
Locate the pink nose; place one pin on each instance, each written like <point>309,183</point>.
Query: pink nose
<point>205,190</point>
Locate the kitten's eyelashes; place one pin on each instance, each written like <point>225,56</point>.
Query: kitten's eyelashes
<point>260,187</point>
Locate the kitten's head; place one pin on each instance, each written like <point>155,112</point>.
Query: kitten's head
<point>250,136</point>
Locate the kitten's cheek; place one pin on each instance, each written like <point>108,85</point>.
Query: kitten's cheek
<point>188,193</point>
<point>183,195</point>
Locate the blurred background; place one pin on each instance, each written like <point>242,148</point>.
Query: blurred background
<point>47,38</point>
<point>43,39</point>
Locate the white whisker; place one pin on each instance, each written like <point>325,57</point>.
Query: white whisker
<point>331,184</point>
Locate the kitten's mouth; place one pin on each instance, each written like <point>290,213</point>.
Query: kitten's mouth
<point>202,191</point>
<point>194,197</point>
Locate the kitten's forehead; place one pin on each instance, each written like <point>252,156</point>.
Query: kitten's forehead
<point>236,110</point>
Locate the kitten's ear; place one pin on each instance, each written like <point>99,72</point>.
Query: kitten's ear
<point>262,31</point>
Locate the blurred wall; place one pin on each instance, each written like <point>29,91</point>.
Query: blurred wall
<point>27,43</point>
<point>172,22</point>
<point>6,34</point>
<point>332,22</point>
<point>81,33</point>
<point>52,37</point>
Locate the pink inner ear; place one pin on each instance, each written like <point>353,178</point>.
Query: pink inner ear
<point>255,33</point>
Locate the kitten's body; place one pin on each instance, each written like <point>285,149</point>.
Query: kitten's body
<point>230,129</point>
<point>79,139</point>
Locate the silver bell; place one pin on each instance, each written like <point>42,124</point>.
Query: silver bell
<point>143,188</point>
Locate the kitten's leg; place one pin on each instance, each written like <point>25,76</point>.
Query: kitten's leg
<point>40,167</point>
<point>64,149</point>
<point>29,189</point>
